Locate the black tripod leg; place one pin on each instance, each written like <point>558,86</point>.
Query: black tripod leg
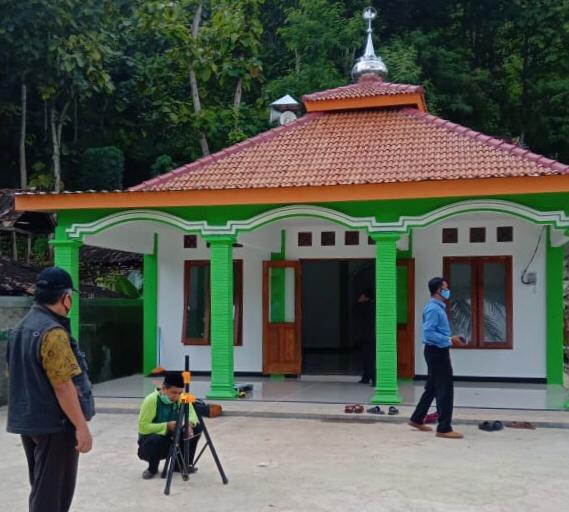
<point>174,451</point>
<point>214,453</point>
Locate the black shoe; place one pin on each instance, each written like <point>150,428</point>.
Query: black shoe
<point>147,474</point>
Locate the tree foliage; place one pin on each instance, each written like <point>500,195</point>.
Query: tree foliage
<point>171,80</point>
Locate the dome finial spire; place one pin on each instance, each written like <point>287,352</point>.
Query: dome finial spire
<point>369,62</point>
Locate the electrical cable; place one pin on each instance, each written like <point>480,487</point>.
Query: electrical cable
<point>532,257</point>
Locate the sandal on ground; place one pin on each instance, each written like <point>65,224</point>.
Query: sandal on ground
<point>358,408</point>
<point>491,426</point>
<point>521,424</point>
<point>375,410</point>
<point>393,411</point>
<point>349,409</point>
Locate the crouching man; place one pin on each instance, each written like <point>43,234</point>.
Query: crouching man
<point>157,423</point>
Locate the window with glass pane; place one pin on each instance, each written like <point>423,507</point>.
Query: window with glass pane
<point>282,295</point>
<point>495,304</point>
<point>460,275</point>
<point>481,301</point>
<point>197,303</point>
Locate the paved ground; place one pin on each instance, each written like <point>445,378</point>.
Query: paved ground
<point>277,464</point>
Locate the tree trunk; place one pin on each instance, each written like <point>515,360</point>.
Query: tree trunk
<point>75,121</point>
<point>57,122</point>
<point>297,62</point>
<point>23,130</point>
<point>193,79</point>
<point>45,122</point>
<point>238,94</point>
<point>56,155</point>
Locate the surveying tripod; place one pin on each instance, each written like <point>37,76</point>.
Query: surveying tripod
<point>179,449</point>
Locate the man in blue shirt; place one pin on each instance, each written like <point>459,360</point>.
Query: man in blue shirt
<point>437,340</point>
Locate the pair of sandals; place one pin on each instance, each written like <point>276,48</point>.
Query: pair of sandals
<point>355,408</point>
<point>392,411</point>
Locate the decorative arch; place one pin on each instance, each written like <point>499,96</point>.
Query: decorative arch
<point>555,219</point>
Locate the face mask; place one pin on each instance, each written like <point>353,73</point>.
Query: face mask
<point>445,294</point>
<point>165,400</point>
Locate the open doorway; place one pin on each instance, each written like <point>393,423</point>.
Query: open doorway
<point>330,288</point>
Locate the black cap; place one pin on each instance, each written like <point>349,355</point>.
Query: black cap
<point>174,379</point>
<point>54,278</point>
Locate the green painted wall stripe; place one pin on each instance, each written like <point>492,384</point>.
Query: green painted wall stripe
<point>150,298</point>
<point>278,284</point>
<point>554,289</point>
<point>386,391</point>
<point>221,268</point>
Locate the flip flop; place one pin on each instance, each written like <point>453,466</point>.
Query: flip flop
<point>375,410</point>
<point>393,411</point>
<point>349,409</point>
<point>491,426</point>
<point>521,424</point>
<point>358,408</point>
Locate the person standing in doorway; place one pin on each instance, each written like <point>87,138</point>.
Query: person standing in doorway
<point>365,318</point>
<point>437,340</point>
<point>50,399</point>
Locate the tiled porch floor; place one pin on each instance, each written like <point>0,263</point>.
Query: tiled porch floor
<point>334,389</point>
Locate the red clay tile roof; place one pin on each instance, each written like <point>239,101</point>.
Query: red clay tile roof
<point>368,86</point>
<point>358,147</point>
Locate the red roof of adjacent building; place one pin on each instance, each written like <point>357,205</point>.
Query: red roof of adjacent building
<point>361,146</point>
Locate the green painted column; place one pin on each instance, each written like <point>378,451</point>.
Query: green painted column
<point>386,391</point>
<point>554,293</point>
<point>150,309</point>
<point>221,268</point>
<point>66,254</point>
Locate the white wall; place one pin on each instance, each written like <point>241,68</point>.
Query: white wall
<point>257,247</point>
<point>171,257</point>
<point>528,357</point>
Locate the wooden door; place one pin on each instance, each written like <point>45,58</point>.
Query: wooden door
<point>406,318</point>
<point>282,346</point>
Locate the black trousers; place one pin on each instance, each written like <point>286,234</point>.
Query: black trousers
<point>153,448</point>
<point>439,385</point>
<point>52,467</point>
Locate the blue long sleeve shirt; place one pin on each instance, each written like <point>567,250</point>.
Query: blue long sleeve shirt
<point>436,327</point>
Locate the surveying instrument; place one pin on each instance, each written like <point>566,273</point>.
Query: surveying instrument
<point>179,452</point>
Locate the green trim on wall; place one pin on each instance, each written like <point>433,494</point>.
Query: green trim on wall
<point>150,308</point>
<point>278,284</point>
<point>221,268</point>
<point>554,293</point>
<point>387,390</point>
<point>382,211</point>
<point>67,257</point>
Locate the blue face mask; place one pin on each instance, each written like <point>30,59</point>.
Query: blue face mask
<point>166,400</point>
<point>445,294</point>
